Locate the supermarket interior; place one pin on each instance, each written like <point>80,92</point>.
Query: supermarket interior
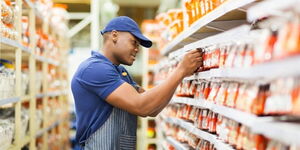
<point>245,94</point>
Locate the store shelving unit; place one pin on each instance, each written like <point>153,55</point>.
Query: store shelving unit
<point>267,125</point>
<point>272,127</point>
<point>19,55</point>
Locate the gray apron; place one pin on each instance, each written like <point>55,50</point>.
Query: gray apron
<point>117,133</point>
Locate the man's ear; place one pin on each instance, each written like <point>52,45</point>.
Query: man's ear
<point>114,35</point>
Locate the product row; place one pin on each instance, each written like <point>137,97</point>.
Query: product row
<point>183,136</point>
<point>227,130</point>
<point>8,79</point>
<point>268,43</point>
<point>280,96</point>
<point>7,120</point>
<point>56,15</point>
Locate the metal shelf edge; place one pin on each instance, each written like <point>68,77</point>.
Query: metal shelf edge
<point>9,100</point>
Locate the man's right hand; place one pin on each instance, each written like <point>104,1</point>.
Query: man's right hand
<point>190,62</point>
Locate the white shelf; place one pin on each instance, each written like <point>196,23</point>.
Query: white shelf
<point>9,100</point>
<point>234,114</point>
<point>56,93</point>
<point>285,132</point>
<point>195,27</point>
<point>269,70</point>
<point>51,94</point>
<point>11,44</point>
<point>176,144</point>
<point>271,8</point>
<point>220,145</point>
<point>47,60</point>
<point>41,132</point>
<point>40,95</point>
<point>281,131</point>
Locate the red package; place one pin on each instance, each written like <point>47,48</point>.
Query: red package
<point>212,122</point>
<point>295,93</point>
<point>259,104</point>
<point>249,55</point>
<point>222,94</point>
<point>215,57</point>
<point>223,56</point>
<point>280,99</point>
<point>192,88</point>
<point>214,91</point>
<point>204,123</point>
<point>288,39</point>
<point>232,93</point>
<point>240,102</point>
<point>231,56</point>
<point>207,89</point>
<point>240,55</point>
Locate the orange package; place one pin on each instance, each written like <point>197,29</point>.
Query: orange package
<point>232,93</point>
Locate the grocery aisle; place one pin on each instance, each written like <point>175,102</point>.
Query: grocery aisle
<point>245,96</point>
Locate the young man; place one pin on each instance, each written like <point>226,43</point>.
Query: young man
<point>108,101</point>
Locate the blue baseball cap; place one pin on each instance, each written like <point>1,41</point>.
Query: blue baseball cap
<point>126,24</point>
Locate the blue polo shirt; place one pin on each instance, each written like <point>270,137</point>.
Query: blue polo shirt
<point>94,80</point>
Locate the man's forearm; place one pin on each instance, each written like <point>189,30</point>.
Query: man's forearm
<point>158,97</point>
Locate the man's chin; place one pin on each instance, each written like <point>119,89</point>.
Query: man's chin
<point>128,63</point>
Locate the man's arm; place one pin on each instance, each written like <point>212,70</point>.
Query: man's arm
<point>153,100</point>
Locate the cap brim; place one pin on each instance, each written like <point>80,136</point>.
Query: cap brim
<point>143,40</point>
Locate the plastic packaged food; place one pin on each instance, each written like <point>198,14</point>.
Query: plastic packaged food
<point>7,14</point>
<point>288,38</point>
<point>222,94</point>
<point>280,99</point>
<point>215,86</point>
<point>233,91</point>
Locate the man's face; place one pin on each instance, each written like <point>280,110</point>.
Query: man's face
<point>127,47</point>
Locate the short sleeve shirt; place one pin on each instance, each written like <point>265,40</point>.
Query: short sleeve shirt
<point>95,79</point>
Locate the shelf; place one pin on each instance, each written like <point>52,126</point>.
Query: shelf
<point>287,133</point>
<point>41,95</point>
<point>234,114</point>
<point>223,13</point>
<point>271,8</point>
<point>220,145</point>
<point>56,93</point>
<point>41,132</point>
<point>8,44</point>
<point>268,126</point>
<point>9,100</point>
<point>176,144</point>
<point>151,140</point>
<point>46,60</point>
<point>25,98</point>
<point>270,70</point>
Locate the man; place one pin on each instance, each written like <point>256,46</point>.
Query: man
<point>108,101</point>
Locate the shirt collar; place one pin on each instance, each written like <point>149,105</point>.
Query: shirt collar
<point>102,57</point>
